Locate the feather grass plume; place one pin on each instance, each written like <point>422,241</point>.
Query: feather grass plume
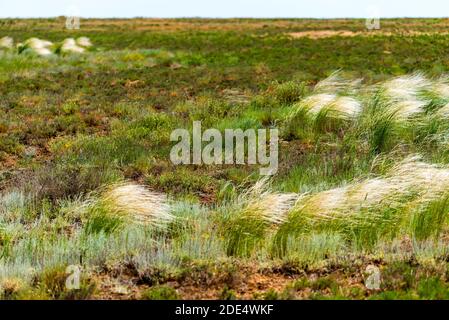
<point>335,106</point>
<point>46,48</point>
<point>70,45</point>
<point>336,83</point>
<point>261,201</point>
<point>330,100</point>
<point>411,199</point>
<point>409,185</point>
<point>6,43</point>
<point>108,210</point>
<point>141,204</point>
<point>406,87</point>
<point>425,182</point>
<point>254,214</point>
<point>408,107</point>
<point>37,46</point>
<point>83,42</point>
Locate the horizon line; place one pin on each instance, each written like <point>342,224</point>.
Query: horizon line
<point>234,17</point>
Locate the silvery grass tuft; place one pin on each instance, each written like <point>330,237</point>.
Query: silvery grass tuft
<point>406,87</point>
<point>330,104</point>
<point>6,43</point>
<point>36,45</point>
<point>404,95</point>
<point>84,42</point>
<point>106,210</point>
<point>411,200</point>
<point>70,45</point>
<point>387,113</point>
<point>339,107</point>
<point>253,216</point>
<point>140,203</point>
<point>336,83</point>
<point>406,109</point>
<point>269,205</point>
<point>441,87</point>
<point>46,48</point>
<point>425,182</point>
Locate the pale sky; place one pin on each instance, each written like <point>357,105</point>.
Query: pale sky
<point>225,8</point>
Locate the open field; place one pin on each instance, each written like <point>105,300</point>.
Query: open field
<point>86,179</point>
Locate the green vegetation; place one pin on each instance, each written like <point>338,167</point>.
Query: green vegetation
<point>160,293</point>
<point>86,179</point>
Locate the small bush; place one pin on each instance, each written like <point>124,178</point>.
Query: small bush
<point>289,92</point>
<point>271,294</point>
<point>227,294</point>
<point>53,282</point>
<point>162,292</point>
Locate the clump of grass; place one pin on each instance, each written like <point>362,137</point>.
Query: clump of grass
<point>6,42</point>
<point>47,48</point>
<point>307,249</point>
<point>405,88</point>
<point>84,42</point>
<point>325,112</point>
<point>10,287</point>
<point>126,202</point>
<point>227,294</point>
<point>337,82</point>
<point>289,92</point>
<point>330,107</point>
<point>369,210</point>
<point>255,212</point>
<point>62,180</point>
<point>53,282</point>
<point>162,292</point>
<point>428,221</point>
<point>433,288</point>
<point>72,46</point>
<point>385,114</point>
<point>101,219</point>
<point>383,132</point>
<point>143,205</point>
<point>35,45</point>
<point>410,176</point>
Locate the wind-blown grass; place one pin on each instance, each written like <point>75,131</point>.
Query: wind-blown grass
<point>42,47</point>
<point>410,199</point>
<point>253,214</point>
<point>122,202</point>
<point>356,188</point>
<point>79,119</point>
